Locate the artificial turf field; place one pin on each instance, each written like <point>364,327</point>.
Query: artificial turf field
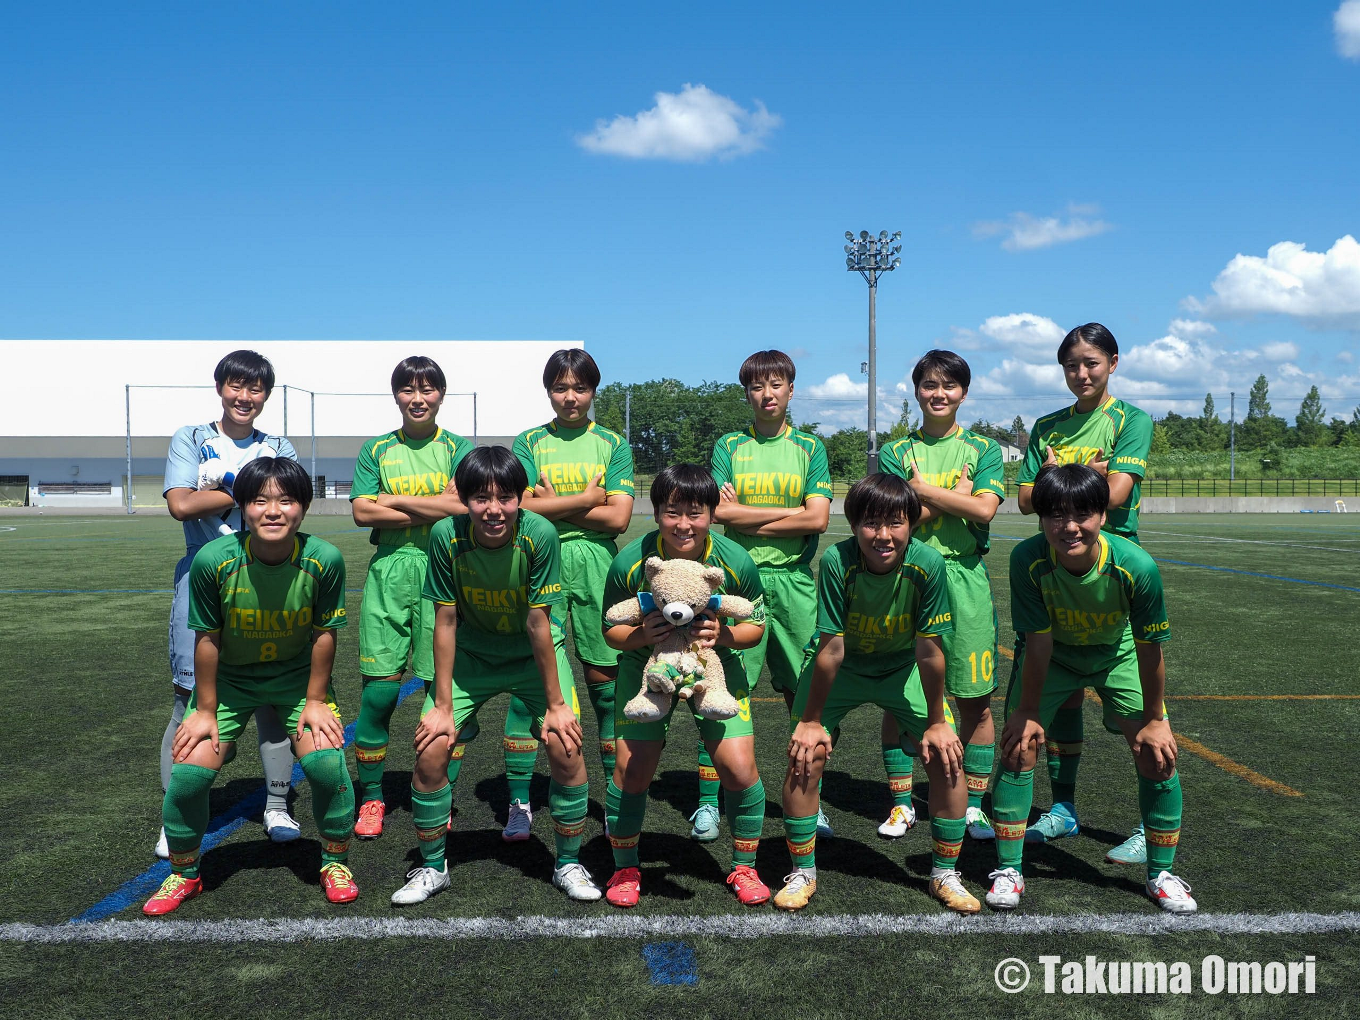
<point>1262,669</point>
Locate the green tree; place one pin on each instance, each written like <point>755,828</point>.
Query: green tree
<point>992,431</point>
<point>1213,432</point>
<point>670,422</point>
<point>846,453</point>
<point>907,422</point>
<point>1309,427</point>
<point>1261,429</point>
<point>1161,440</point>
<point>1019,435</point>
<point>1258,403</point>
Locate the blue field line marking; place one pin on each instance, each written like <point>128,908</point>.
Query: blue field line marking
<point>671,963</point>
<point>219,829</point>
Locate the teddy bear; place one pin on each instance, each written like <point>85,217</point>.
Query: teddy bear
<point>681,590</point>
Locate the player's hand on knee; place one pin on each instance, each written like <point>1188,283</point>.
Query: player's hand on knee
<point>196,728</point>
<point>561,722</point>
<point>1022,731</point>
<point>1155,744</point>
<point>325,728</point>
<point>438,722</point>
<point>940,741</point>
<point>807,738</point>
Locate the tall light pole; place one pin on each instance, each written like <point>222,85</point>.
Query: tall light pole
<point>870,256</point>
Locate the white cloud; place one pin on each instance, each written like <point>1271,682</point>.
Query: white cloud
<point>1346,22</point>
<point>838,387</point>
<point>1291,280</point>
<point>1281,351</point>
<point>1024,330</point>
<point>692,125</point>
<point>1025,232</point>
<point>1192,327</point>
<point>1346,357</point>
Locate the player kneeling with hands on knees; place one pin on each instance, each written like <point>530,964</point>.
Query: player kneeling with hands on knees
<point>265,604</point>
<point>1088,613</point>
<point>882,609</point>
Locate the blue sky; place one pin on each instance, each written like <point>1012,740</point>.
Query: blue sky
<point>415,172</point>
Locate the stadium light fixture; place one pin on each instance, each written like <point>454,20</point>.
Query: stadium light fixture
<point>870,256</point>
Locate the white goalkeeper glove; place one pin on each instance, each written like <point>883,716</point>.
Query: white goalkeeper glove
<point>211,474</point>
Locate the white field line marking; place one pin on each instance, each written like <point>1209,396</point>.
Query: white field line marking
<point>732,926</point>
<point>1246,541</point>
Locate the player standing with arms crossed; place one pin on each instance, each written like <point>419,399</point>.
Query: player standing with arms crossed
<point>199,471</point>
<point>1114,438</point>
<point>775,489</point>
<point>957,476</point>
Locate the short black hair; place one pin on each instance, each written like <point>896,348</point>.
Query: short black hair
<point>684,485</point>
<point>245,367</point>
<point>490,468</point>
<point>416,371</point>
<point>882,497</point>
<point>946,363</point>
<point>1070,489</point>
<point>766,365</point>
<point>291,477</point>
<point>1092,333</point>
<point>572,361</point>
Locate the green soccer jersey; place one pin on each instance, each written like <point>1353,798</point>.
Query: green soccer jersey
<point>881,615</point>
<point>627,577</point>
<point>494,589</point>
<point>779,471</point>
<point>401,466</point>
<point>265,612</point>
<point>942,462</point>
<point>1120,431</point>
<point>570,458</point>
<point>1094,618</point>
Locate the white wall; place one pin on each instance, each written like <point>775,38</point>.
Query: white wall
<point>76,387</point>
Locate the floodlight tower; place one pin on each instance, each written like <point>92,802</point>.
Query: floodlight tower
<point>870,256</point>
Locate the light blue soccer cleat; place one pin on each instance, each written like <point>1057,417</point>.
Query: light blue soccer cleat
<point>1055,823</point>
<point>824,829</point>
<point>705,820</point>
<point>1132,851</point>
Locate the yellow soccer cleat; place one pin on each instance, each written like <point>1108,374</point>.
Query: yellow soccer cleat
<point>799,887</point>
<point>948,889</point>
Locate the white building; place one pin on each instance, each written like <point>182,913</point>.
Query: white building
<point>73,408</point>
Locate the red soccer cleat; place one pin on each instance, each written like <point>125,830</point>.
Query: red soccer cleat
<point>173,891</point>
<point>370,821</point>
<point>624,887</point>
<point>337,882</point>
<point>750,890</point>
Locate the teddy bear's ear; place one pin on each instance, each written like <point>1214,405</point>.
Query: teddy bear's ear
<point>714,577</point>
<point>653,566</point>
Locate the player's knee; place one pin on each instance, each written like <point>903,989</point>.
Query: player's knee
<point>433,762</point>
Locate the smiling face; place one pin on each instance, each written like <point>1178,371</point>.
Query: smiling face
<point>1087,369</point>
<point>242,402</point>
<point>571,399</point>
<point>769,399</point>
<point>883,543</point>
<point>939,396</point>
<point>684,530</point>
<point>419,404</point>
<point>493,516</point>
<point>1075,537</point>
<point>273,516</point>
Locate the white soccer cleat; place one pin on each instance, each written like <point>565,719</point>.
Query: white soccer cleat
<point>1007,887</point>
<point>575,881</point>
<point>1172,894</point>
<point>162,847</point>
<point>424,883</point>
<point>900,819</point>
<point>517,824</point>
<point>281,827</point>
<point>979,825</point>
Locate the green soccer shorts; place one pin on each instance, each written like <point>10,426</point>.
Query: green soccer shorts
<point>395,622</point>
<point>1119,688</point>
<point>476,681</point>
<point>238,700</point>
<point>790,622</point>
<point>900,693</point>
<point>585,562</point>
<point>970,649</point>
<point>710,730</point>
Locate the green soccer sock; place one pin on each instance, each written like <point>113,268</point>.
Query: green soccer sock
<point>602,701</point>
<point>978,760</point>
<point>455,763</point>
<point>521,749</point>
<point>184,813</point>
<point>332,801</point>
<point>800,836</point>
<point>1065,737</point>
<point>946,835</point>
<point>1160,804</point>
<point>898,764</point>
<point>567,805</point>
<point>624,813</point>
<point>376,705</point>
<point>708,778</point>
<point>746,816</point>
<point>430,812</point>
<point>1011,801</point>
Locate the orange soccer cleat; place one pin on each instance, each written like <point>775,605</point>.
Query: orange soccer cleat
<point>173,891</point>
